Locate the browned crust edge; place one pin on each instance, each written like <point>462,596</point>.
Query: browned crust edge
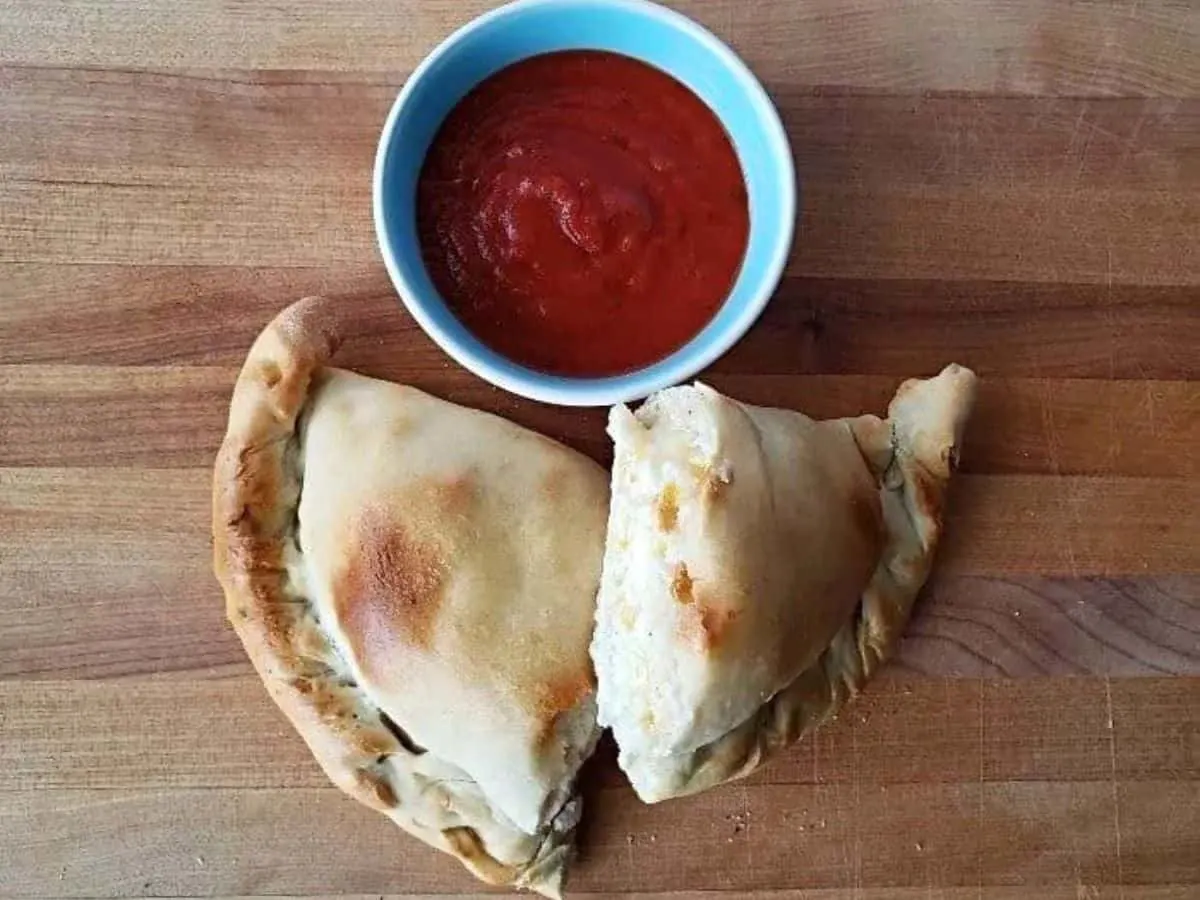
<point>256,486</point>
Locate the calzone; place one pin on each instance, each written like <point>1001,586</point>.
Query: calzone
<point>415,584</point>
<point>758,567</point>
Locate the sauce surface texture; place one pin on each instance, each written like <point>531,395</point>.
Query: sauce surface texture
<point>582,213</point>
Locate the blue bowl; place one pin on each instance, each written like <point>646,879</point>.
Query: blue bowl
<point>636,28</point>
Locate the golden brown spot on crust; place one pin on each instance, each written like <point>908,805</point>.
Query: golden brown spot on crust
<point>712,482</point>
<point>376,787</point>
<point>393,584</point>
<point>246,555</point>
<point>928,495</point>
<point>250,504</point>
<point>716,623</point>
<point>309,641</point>
<point>243,515</point>
<point>302,686</point>
<point>667,507</point>
<point>706,625</point>
<point>271,373</point>
<point>455,496</point>
<point>564,692</point>
<point>558,696</point>
<point>290,390</point>
<point>681,584</point>
<point>466,845</point>
<point>326,703</point>
<point>376,743</point>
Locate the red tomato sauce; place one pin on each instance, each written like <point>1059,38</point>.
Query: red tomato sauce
<point>582,213</point>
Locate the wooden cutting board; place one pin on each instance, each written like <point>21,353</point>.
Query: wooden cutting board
<point>1010,184</point>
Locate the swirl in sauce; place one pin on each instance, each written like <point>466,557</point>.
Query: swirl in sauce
<point>582,213</point>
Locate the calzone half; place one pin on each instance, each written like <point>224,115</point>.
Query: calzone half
<point>759,565</point>
<point>415,583</point>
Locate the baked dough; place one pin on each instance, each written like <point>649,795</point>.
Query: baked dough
<point>758,568</point>
<point>415,584</point>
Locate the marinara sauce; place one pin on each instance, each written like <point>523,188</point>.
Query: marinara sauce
<point>582,213</point>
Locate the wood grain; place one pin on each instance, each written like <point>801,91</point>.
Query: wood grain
<point>1044,892</point>
<point>1092,891</point>
<point>1031,234</point>
<point>108,572</point>
<point>1040,190</point>
<point>295,120</point>
<point>174,417</point>
<point>1010,627</point>
<point>997,524</point>
<point>989,46</point>
<point>1011,184</point>
<point>182,842</point>
<point>209,315</point>
<point>903,730</point>
<point>76,619</point>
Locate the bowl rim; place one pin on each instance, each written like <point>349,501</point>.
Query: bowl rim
<point>682,363</point>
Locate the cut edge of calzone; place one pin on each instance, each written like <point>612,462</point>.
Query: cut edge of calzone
<point>759,567</point>
<point>424,719</point>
